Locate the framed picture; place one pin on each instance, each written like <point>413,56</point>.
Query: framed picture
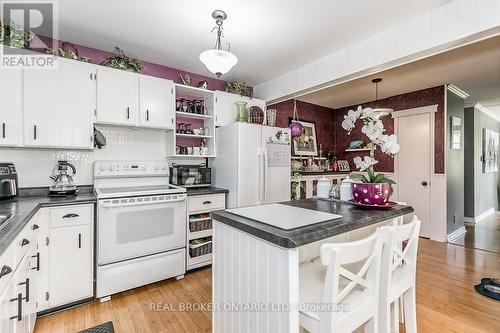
<point>456,133</point>
<point>307,143</point>
<point>490,151</point>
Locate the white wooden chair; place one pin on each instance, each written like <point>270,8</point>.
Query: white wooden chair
<point>399,267</point>
<point>328,281</point>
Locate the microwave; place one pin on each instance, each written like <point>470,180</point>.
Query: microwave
<point>191,175</point>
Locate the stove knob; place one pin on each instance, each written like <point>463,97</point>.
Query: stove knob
<point>164,167</point>
<point>101,168</point>
<point>143,167</point>
<point>157,167</point>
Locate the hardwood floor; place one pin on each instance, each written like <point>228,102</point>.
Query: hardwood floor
<point>446,299</point>
<point>484,235</point>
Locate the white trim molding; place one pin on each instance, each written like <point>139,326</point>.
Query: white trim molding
<point>457,233</point>
<point>480,217</point>
<point>486,111</point>
<point>411,112</point>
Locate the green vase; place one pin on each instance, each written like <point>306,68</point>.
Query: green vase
<point>241,112</point>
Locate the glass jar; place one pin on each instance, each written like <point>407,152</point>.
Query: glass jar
<point>241,112</point>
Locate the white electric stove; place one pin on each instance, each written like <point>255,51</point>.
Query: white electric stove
<point>141,225</point>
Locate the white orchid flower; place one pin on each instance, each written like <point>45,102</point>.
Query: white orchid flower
<point>373,130</point>
<point>389,144</point>
<point>365,163</point>
<point>350,119</point>
<point>368,113</point>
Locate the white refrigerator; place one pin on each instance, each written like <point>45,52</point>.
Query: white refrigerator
<point>253,163</point>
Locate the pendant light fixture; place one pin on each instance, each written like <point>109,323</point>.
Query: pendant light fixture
<point>380,111</point>
<point>296,128</point>
<point>217,60</point>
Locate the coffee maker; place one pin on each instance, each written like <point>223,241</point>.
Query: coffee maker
<point>63,181</point>
<point>8,181</point>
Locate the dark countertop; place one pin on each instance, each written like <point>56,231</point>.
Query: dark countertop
<point>352,218</point>
<point>205,190</point>
<point>24,207</point>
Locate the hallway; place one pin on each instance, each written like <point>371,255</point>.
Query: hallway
<point>484,235</point>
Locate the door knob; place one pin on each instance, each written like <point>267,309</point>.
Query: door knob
<point>424,183</point>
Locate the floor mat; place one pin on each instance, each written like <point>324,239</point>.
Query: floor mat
<point>102,328</point>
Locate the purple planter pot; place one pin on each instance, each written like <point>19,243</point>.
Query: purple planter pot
<point>371,194</point>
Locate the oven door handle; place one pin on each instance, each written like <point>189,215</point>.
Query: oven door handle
<point>143,203</point>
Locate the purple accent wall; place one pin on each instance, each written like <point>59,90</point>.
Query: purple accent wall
<point>334,138</point>
<point>152,69</point>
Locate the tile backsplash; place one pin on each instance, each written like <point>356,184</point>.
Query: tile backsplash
<point>34,166</point>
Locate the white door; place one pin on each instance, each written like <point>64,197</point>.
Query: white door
<point>22,296</point>
<point>34,274</point>
<point>11,95</point>
<point>117,97</point>
<point>277,155</point>
<point>156,103</point>
<point>70,264</point>
<point>8,308</point>
<point>413,165</point>
<point>250,184</point>
<point>133,227</point>
<point>59,104</point>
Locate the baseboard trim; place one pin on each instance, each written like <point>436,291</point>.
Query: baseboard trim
<point>480,217</point>
<point>455,234</point>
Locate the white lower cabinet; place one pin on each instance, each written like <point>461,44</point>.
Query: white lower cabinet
<point>70,264</point>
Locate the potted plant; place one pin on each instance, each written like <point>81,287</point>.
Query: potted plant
<point>238,88</point>
<point>122,61</point>
<point>373,189</point>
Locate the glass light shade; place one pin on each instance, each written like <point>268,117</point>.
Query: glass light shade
<point>382,112</point>
<point>218,61</point>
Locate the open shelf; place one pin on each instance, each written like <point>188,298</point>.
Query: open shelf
<point>357,149</point>
<point>199,234</point>
<point>191,156</point>
<point>193,91</point>
<point>193,115</point>
<point>193,136</point>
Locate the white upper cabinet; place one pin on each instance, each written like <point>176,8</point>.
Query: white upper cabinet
<point>58,105</point>
<point>225,108</point>
<point>11,95</point>
<point>117,97</point>
<point>156,103</point>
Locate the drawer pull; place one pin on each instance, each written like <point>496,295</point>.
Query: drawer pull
<point>3,130</point>
<point>19,300</point>
<point>70,216</point>
<point>5,270</point>
<point>37,268</point>
<point>79,241</point>
<point>26,284</point>
<point>35,227</point>
<point>208,202</point>
<point>25,242</point>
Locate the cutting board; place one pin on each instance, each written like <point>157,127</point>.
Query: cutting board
<point>283,216</point>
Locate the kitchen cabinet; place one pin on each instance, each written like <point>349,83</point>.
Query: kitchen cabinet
<point>58,106</point>
<point>156,103</point>
<point>117,97</point>
<point>225,109</point>
<point>8,308</point>
<point>70,256</point>
<point>11,95</point>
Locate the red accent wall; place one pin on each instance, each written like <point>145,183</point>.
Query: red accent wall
<point>334,138</point>
<point>322,116</point>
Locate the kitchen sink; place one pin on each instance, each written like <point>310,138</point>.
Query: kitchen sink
<point>4,220</point>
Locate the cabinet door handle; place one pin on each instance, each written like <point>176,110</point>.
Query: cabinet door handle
<point>24,242</point>
<point>35,227</point>
<point>128,112</point>
<point>19,300</point>
<point>3,130</point>
<point>26,284</point>
<point>208,202</point>
<point>37,268</point>
<point>70,216</point>
<point>34,132</point>
<point>5,270</point>
<point>79,241</point>
<point>147,115</point>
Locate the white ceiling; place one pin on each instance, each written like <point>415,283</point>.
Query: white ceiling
<point>270,37</point>
<point>474,68</point>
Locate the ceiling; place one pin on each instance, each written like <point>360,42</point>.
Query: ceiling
<point>269,37</point>
<point>474,68</point>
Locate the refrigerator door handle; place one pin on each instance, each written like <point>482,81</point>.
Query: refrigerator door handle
<point>261,176</point>
<point>264,185</point>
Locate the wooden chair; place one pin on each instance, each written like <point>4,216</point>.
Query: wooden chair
<point>398,272</point>
<point>329,281</point>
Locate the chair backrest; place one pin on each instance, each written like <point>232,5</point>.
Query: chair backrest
<point>399,251</point>
<point>366,253</point>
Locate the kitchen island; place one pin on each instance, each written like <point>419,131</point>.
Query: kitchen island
<point>255,284</point>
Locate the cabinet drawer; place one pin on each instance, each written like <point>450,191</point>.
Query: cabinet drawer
<point>8,266</point>
<point>70,215</point>
<point>206,202</point>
